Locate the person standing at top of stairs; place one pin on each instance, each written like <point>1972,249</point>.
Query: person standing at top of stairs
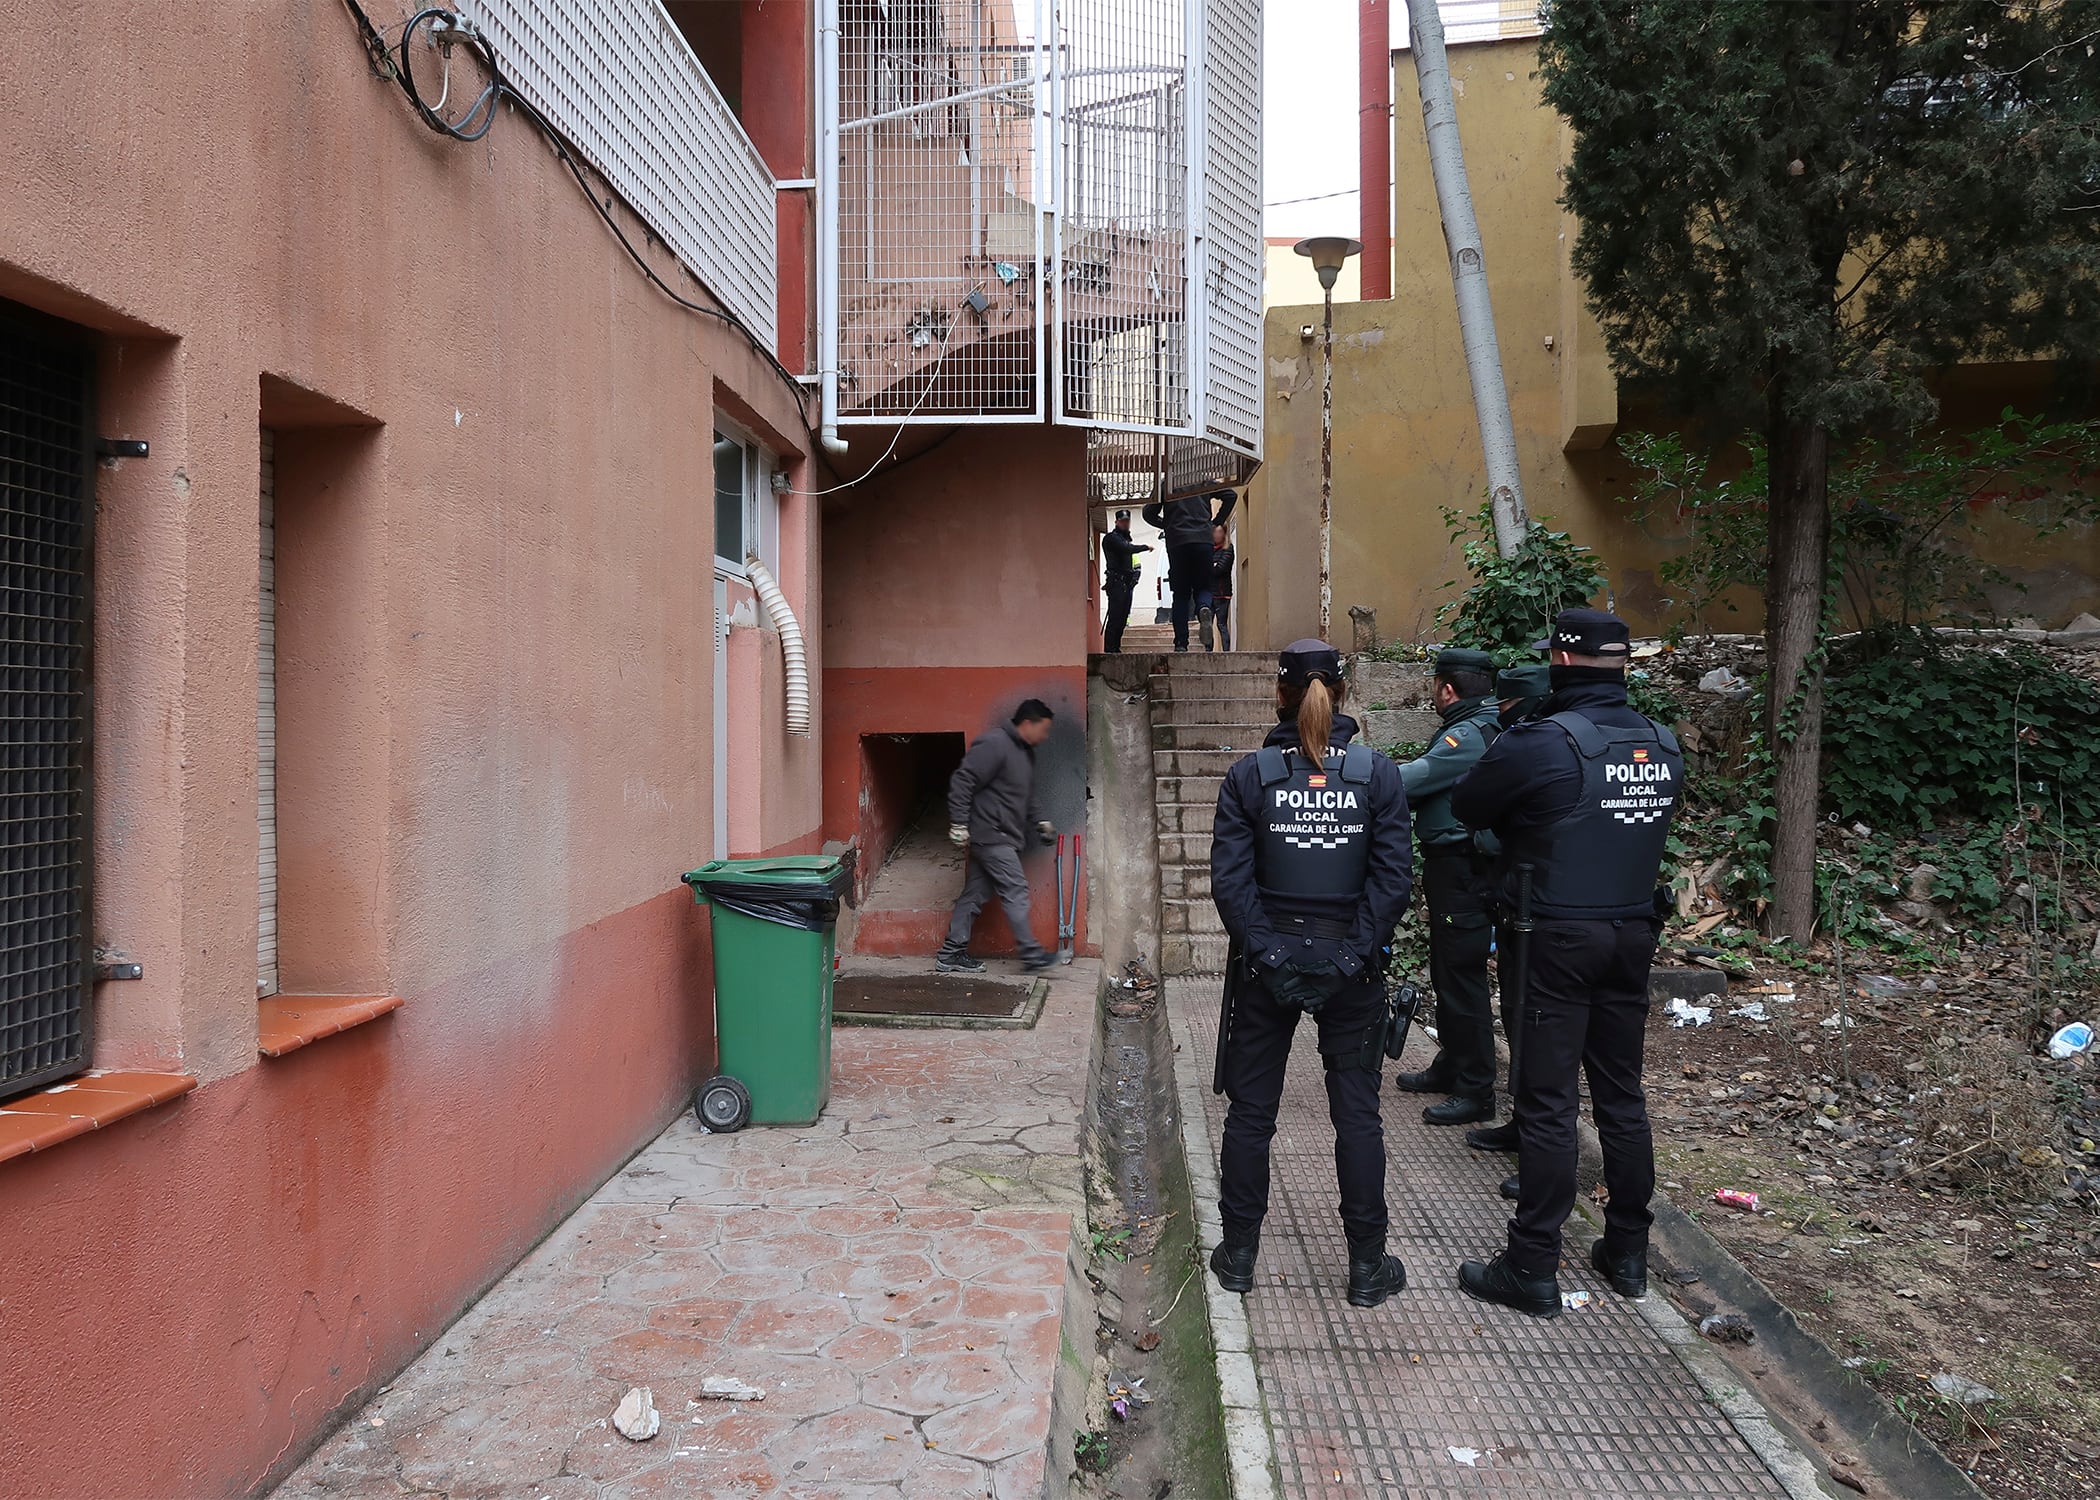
<point>1186,526</point>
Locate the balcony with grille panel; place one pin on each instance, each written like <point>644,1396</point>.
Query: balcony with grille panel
<point>1053,212</point>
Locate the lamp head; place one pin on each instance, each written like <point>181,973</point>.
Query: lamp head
<point>1327,252</point>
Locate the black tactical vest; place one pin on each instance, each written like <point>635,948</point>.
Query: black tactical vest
<point>1314,842</point>
<point>1601,859</point>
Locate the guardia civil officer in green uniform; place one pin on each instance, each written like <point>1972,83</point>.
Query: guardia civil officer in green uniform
<point>1309,868</point>
<point>1581,798</point>
<point>1458,879</point>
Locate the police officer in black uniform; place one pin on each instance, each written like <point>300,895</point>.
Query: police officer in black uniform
<point>1584,795</point>
<point>1121,551</point>
<point>1310,870</point>
<point>1457,877</point>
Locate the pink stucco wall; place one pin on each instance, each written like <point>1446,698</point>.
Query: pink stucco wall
<point>954,589</point>
<point>496,514</point>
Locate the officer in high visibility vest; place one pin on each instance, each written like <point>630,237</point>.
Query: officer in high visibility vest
<point>1457,877</point>
<point>1581,798</point>
<point>1310,870</point>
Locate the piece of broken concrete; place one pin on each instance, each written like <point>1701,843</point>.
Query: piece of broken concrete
<point>636,1417</point>
<point>729,1388</point>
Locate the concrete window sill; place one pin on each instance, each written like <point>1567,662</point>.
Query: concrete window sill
<point>64,1111</point>
<point>289,1022</point>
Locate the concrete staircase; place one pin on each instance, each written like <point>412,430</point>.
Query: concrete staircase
<point>1209,709</point>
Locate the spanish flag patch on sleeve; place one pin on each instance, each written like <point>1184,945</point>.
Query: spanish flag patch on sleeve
<point>1451,740</point>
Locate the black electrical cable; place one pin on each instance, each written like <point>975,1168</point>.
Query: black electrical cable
<point>499,88</point>
<point>484,104</point>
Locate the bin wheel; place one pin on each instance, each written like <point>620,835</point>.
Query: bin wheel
<point>722,1104</point>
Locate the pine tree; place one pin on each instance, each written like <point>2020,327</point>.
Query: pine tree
<point>1792,214</point>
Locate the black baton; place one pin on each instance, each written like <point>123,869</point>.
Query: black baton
<point>1232,984</point>
<point>1516,979</point>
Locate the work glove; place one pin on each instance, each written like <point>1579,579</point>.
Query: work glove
<point>1047,832</point>
<point>959,834</point>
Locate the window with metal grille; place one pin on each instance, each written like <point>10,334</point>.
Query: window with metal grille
<point>46,501</point>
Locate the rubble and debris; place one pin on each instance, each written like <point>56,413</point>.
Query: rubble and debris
<point>636,1417</point>
<point>1683,1013</point>
<point>729,1388</point>
<point>2071,1040</point>
<point>1728,1328</point>
<point>1470,1457</point>
<point>1573,1301</point>
<point>1961,1388</point>
<point>1736,1198</point>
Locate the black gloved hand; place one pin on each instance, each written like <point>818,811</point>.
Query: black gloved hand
<point>1306,985</point>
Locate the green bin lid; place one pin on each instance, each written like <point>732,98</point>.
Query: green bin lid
<point>806,872</point>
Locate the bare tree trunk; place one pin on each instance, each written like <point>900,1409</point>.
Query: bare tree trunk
<point>1798,525</point>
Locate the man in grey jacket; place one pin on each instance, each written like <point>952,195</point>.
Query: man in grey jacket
<point>992,812</point>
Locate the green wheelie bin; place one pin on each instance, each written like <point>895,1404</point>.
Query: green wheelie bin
<point>775,932</point>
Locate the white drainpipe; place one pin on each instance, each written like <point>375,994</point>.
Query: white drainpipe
<point>793,657</point>
<point>828,226</point>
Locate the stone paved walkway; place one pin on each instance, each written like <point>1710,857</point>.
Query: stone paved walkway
<point>1593,1404</point>
<point>893,1277</point>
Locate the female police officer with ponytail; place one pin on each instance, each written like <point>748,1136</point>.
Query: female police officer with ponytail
<point>1310,869</point>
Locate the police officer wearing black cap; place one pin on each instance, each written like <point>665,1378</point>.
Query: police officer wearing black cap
<point>1121,552</point>
<point>1310,869</point>
<point>1458,879</point>
<point>1582,798</point>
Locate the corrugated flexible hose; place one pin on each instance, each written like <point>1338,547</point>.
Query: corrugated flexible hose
<point>793,657</point>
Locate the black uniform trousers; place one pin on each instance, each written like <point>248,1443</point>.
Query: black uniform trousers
<point>1460,888</point>
<point>1188,574</point>
<point>1351,1027</point>
<point>1587,1009</point>
<point>1119,597</point>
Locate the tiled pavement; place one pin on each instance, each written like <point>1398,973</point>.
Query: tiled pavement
<point>1373,1402</point>
<point>892,1276</point>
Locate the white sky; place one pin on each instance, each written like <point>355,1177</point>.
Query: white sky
<point>1309,115</point>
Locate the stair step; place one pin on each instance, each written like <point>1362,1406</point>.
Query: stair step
<point>1186,953</point>
<point>1249,710</point>
<point>1190,763</point>
<point>1239,739</point>
<point>1177,848</point>
<point>1185,882</point>
<point>1189,819</point>
<point>1191,916</point>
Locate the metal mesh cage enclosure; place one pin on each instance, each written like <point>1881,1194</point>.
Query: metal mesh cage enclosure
<point>45,497</point>
<point>1052,209</point>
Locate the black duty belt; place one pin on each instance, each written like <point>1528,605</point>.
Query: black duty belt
<point>1316,927</point>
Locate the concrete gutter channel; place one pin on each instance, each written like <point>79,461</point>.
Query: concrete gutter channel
<point>1812,1388</point>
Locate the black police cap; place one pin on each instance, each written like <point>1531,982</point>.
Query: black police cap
<point>1588,632</point>
<point>1304,660</point>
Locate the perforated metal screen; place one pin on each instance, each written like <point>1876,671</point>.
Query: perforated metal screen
<point>619,80</point>
<point>1231,247</point>
<point>45,495</point>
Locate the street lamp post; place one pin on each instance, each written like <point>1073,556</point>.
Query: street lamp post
<point>1327,253</point>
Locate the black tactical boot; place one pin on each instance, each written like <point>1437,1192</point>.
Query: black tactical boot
<point>1428,1081</point>
<point>1373,1274</point>
<point>957,961</point>
<point>1628,1273</point>
<point>1501,1137</point>
<point>1497,1282</point>
<point>1233,1262</point>
<point>1459,1110</point>
<point>1509,1187</point>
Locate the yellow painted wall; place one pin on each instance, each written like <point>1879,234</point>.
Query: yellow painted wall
<point>1288,278</point>
<point>1405,441</point>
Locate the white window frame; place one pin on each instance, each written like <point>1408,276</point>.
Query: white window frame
<point>761,517</point>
